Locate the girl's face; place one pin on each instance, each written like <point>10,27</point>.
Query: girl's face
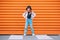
<point>29,10</point>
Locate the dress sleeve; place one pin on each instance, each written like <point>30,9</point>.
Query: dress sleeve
<point>33,14</point>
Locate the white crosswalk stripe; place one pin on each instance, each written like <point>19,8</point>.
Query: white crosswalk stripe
<point>43,37</point>
<point>16,37</point>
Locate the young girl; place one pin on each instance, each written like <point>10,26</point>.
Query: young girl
<point>29,15</point>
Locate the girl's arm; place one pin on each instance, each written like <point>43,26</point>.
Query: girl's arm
<point>33,14</point>
<point>24,14</point>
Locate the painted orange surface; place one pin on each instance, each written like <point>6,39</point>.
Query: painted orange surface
<point>47,20</point>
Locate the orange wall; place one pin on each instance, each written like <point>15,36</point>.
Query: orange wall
<point>47,20</point>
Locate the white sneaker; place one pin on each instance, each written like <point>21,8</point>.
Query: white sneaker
<point>33,34</point>
<point>24,34</point>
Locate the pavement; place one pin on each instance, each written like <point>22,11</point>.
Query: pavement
<point>30,37</point>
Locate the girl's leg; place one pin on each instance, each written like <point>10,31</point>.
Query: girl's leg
<point>26,28</point>
<point>30,22</point>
